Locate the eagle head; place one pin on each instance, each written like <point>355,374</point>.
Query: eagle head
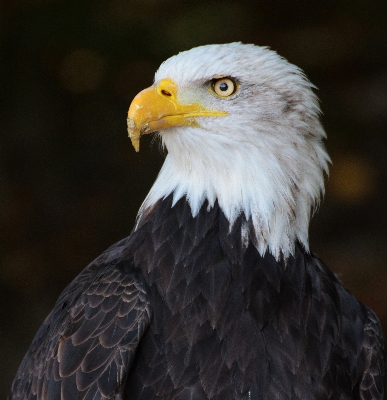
<point>241,127</point>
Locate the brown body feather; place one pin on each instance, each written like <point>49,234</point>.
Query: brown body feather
<point>182,309</point>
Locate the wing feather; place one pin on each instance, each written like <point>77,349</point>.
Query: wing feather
<point>86,346</point>
<point>372,360</point>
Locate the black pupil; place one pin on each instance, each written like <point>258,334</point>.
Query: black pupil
<point>223,86</point>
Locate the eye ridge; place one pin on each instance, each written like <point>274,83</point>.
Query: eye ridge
<point>224,86</point>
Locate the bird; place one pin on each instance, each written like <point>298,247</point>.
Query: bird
<point>215,293</point>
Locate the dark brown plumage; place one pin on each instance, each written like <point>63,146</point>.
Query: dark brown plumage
<point>180,310</point>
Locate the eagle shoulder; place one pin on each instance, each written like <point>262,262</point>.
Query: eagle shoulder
<point>87,344</point>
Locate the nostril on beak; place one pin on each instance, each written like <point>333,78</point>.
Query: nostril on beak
<point>166,93</point>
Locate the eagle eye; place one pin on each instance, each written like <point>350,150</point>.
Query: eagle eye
<point>224,87</point>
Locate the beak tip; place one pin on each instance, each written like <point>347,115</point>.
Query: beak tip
<point>133,134</point>
<point>136,143</point>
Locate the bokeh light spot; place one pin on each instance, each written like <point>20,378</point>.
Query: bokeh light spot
<point>82,71</point>
<point>353,179</point>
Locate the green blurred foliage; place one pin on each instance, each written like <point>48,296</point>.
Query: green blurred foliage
<point>71,183</point>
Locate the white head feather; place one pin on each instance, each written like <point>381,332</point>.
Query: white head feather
<point>265,158</point>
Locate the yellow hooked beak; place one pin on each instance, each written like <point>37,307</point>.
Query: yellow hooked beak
<point>157,108</point>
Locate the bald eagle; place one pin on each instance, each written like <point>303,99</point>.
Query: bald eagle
<point>215,294</point>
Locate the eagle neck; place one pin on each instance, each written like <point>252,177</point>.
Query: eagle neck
<point>275,214</point>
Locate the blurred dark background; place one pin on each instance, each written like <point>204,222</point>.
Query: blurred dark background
<point>71,183</point>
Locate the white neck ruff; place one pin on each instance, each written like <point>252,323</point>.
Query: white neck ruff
<point>277,193</point>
